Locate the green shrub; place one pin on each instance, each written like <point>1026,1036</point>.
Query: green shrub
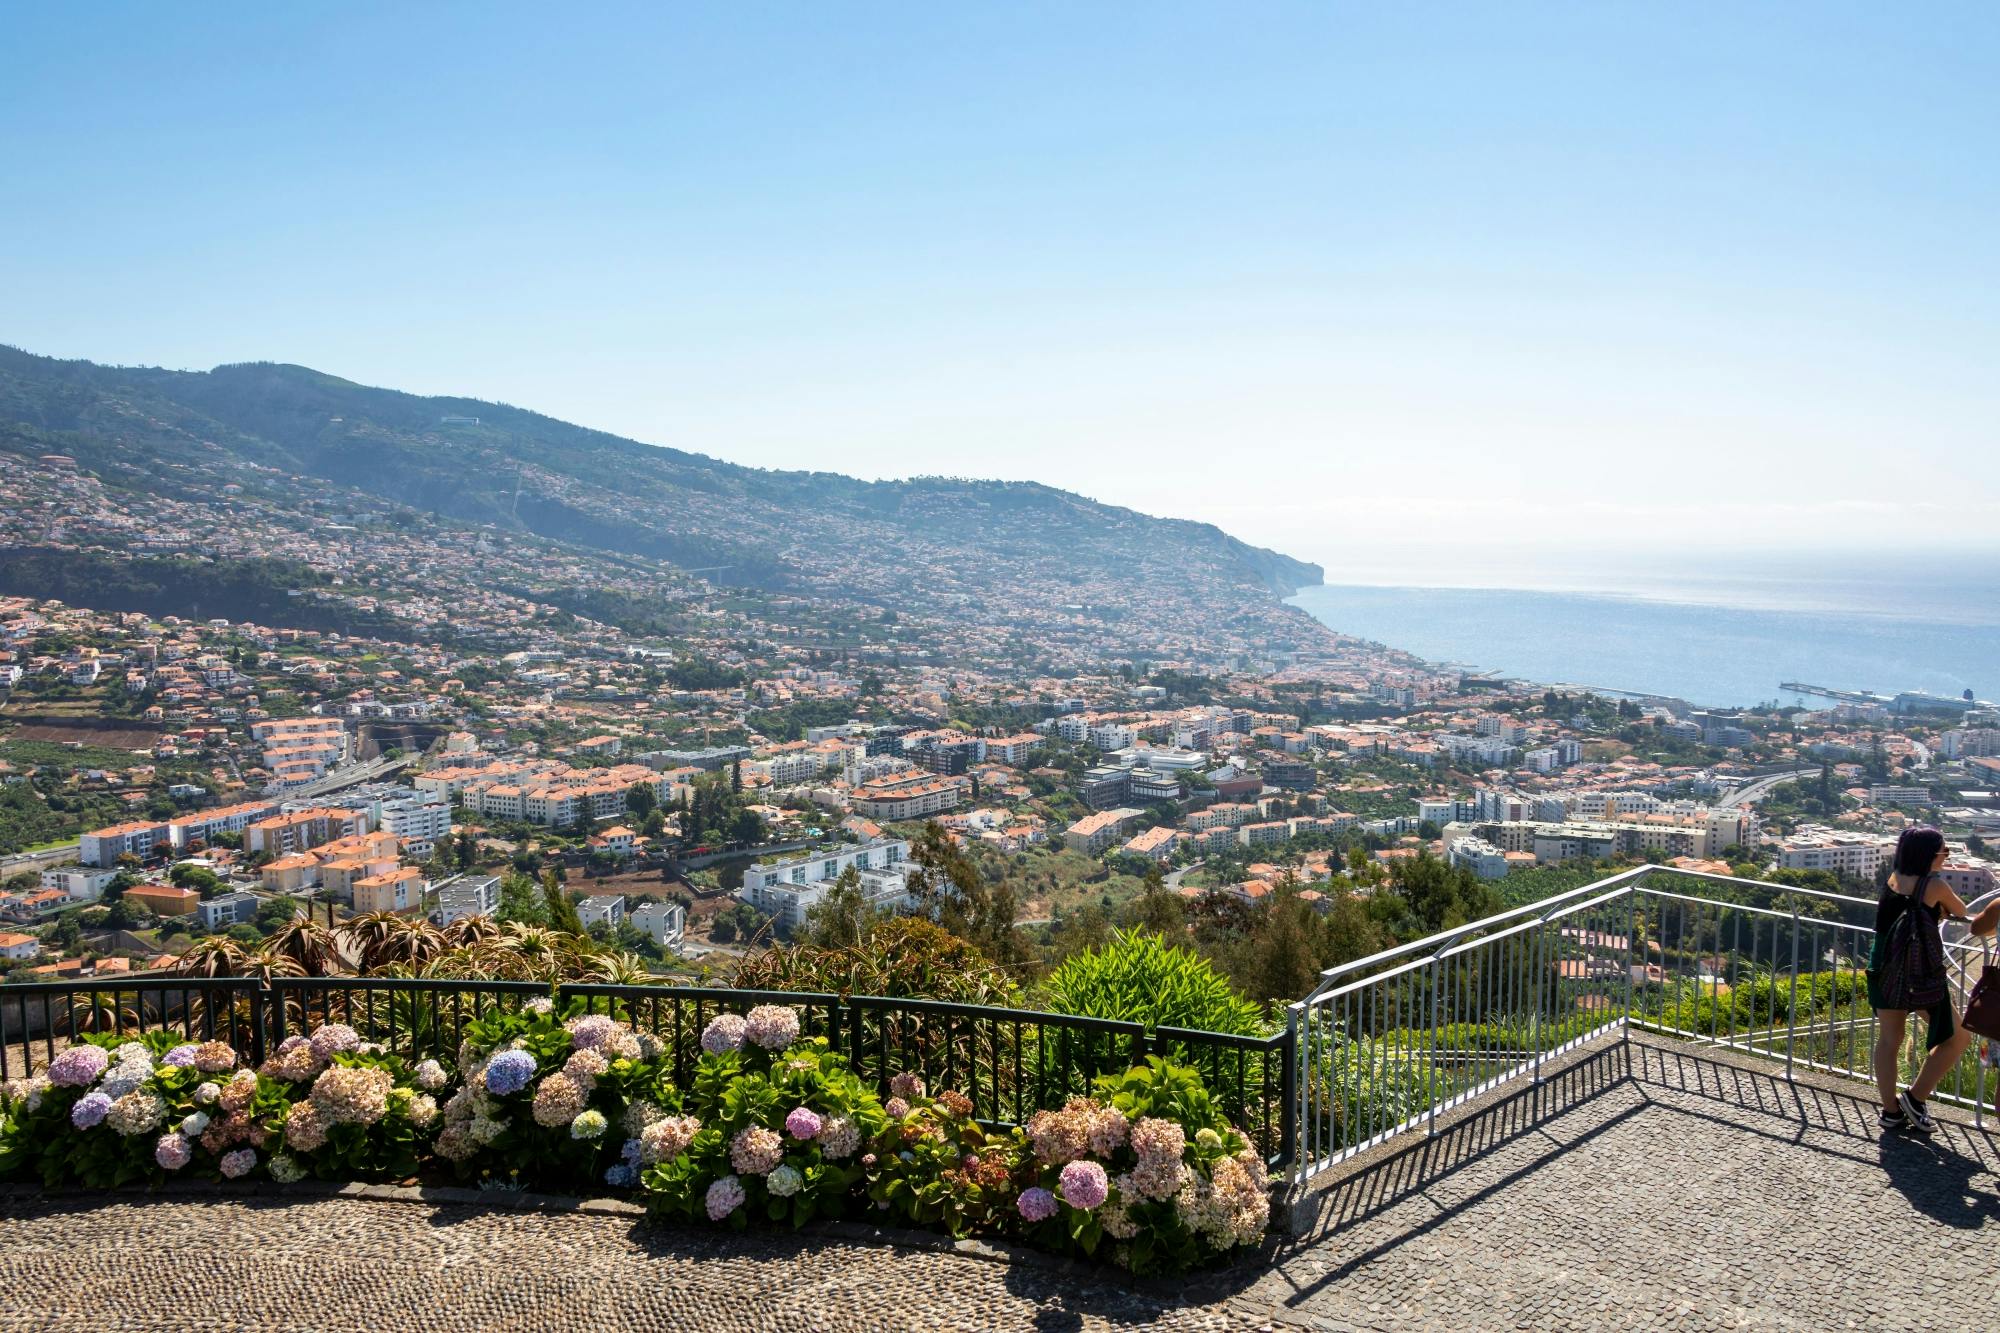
<point>1138,977</point>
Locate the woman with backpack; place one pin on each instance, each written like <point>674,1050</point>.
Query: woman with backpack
<point>1906,975</point>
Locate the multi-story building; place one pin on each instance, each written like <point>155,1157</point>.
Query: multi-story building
<point>207,825</point>
<point>398,890</point>
<point>910,798</point>
<point>1856,855</point>
<point>422,819</point>
<point>467,895</point>
<point>141,838</point>
<point>1264,834</point>
<point>79,883</point>
<point>1106,786</point>
<point>298,830</point>
<point>1155,844</point>
<point>1479,856</point>
<point>665,922</point>
<point>788,887</point>
<point>1898,794</point>
<point>227,909</point>
<point>1092,834</point>
<point>602,909</point>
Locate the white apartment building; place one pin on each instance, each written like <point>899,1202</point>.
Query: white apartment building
<point>467,895</point>
<point>788,887</point>
<point>1816,847</point>
<point>80,883</point>
<point>1970,743</point>
<point>1479,856</point>
<point>665,922</point>
<point>420,818</point>
<point>1442,810</point>
<point>911,798</point>
<point>606,909</point>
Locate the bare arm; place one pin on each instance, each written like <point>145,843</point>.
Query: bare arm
<point>1947,902</point>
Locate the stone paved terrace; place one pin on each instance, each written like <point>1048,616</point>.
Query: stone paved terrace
<point>1641,1187</point>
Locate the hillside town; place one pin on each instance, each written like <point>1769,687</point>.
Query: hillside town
<point>165,779</point>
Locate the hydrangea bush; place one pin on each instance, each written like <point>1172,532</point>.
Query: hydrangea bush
<point>353,1111</point>
<point>935,1166</point>
<point>555,1096</point>
<point>1150,1164</point>
<point>112,1111</point>
<point>774,1129</point>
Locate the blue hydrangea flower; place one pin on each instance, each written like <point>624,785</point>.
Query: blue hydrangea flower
<point>509,1072</point>
<point>621,1176</point>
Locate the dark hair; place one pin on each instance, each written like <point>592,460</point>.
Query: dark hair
<point>1917,849</point>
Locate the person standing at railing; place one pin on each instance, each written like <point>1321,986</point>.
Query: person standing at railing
<point>1912,887</point>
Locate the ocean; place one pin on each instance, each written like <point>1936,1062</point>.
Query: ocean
<point>1717,640</point>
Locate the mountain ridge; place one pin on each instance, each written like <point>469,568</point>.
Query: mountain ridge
<point>295,444</point>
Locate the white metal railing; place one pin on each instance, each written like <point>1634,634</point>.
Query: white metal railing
<point>1389,1042</point>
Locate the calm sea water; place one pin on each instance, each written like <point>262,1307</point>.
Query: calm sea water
<point>1942,636</point>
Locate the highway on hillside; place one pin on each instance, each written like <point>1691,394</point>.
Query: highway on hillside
<point>1751,792</point>
<point>48,856</point>
<point>351,776</point>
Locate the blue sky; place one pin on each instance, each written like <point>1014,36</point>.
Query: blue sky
<point>1400,286</point>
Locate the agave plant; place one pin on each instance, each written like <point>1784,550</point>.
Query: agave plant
<point>312,947</point>
<point>621,969</point>
<point>215,956</point>
<point>384,939</point>
<point>492,960</point>
<point>471,930</point>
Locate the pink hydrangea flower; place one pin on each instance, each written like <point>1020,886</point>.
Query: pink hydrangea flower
<point>723,1033</point>
<point>1036,1204</point>
<point>78,1067</point>
<point>332,1039</point>
<point>173,1151</point>
<point>1084,1185</point>
<point>724,1197</point>
<point>772,1026</point>
<point>803,1123</point>
<point>239,1163</point>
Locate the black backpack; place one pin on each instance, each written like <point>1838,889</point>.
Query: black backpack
<point>1913,970</point>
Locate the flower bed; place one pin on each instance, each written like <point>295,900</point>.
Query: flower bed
<point>770,1128</point>
<point>541,1093</point>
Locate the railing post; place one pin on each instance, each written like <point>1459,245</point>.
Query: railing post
<point>1792,1008</point>
<point>1541,977</point>
<point>1289,1085</point>
<point>1430,1074</point>
<point>274,1016</point>
<point>1631,958</point>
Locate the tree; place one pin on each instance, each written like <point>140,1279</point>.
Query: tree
<point>559,910</point>
<point>521,900</point>
<point>945,880</point>
<point>641,799</point>
<point>842,917</point>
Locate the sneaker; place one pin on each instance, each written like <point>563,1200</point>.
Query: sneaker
<point>1892,1122</point>
<point>1917,1113</point>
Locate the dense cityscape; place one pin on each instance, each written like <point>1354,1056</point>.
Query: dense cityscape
<point>698,790</point>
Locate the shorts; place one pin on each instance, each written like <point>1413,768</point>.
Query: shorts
<point>1943,1017</point>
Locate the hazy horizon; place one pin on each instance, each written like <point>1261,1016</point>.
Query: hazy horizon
<point>1504,296</point>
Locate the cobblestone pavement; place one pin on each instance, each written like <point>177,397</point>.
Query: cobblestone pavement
<point>1695,1196</point>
